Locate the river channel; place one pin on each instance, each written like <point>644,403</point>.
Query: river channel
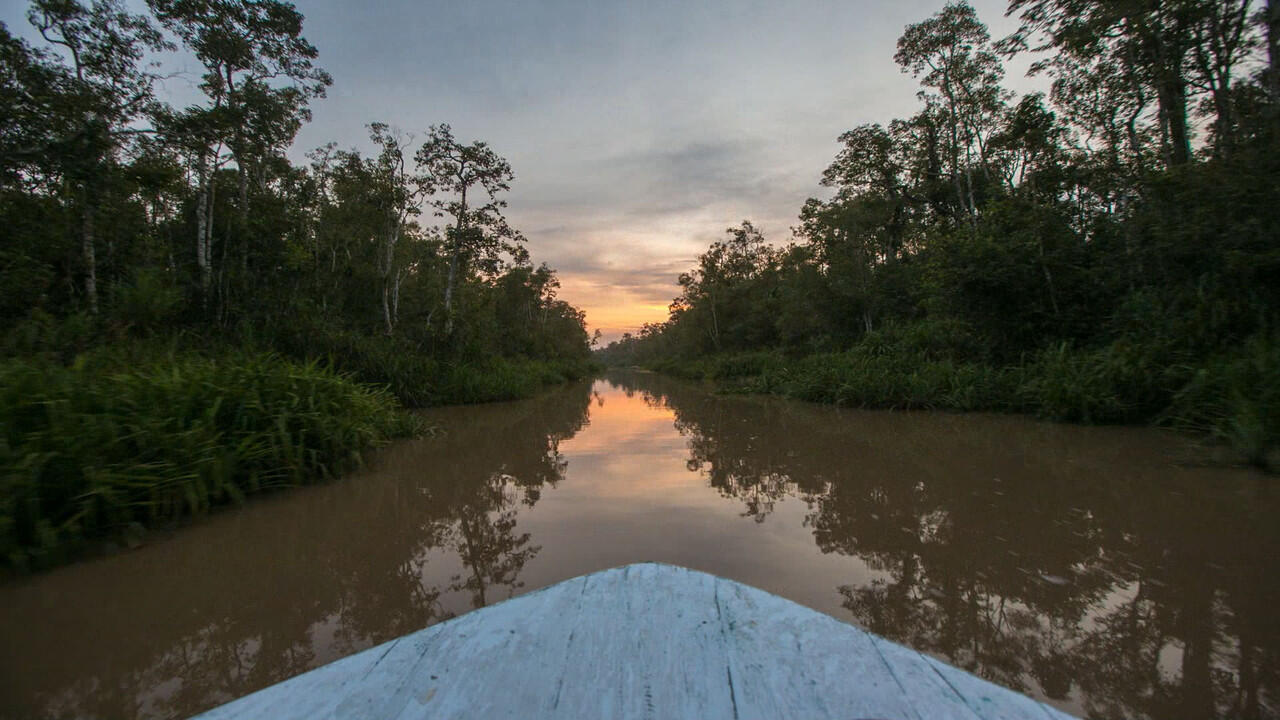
<point>1111,572</point>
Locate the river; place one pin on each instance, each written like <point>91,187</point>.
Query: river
<point>1108,571</point>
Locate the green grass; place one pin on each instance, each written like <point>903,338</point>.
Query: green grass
<point>127,440</point>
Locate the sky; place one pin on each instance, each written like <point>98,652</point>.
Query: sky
<point>638,131</point>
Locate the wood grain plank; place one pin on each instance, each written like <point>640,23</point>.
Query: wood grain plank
<point>990,701</point>
<point>643,648</point>
<point>789,661</point>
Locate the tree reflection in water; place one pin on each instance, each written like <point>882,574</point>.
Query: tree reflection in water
<point>1131,590</point>
<point>1077,564</point>
<point>258,595</point>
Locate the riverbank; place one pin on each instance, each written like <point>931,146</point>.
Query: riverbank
<point>919,526</point>
<point>1232,397</point>
<point>124,440</point>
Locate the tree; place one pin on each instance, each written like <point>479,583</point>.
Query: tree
<point>105,91</point>
<point>398,198</point>
<point>31,124</point>
<point>720,286</point>
<point>246,47</point>
<point>845,236</point>
<point>479,233</point>
<point>865,163</point>
<point>1269,19</point>
<point>952,53</point>
<point>1149,43</point>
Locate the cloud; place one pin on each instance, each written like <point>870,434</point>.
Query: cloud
<point>621,228</point>
<point>638,131</point>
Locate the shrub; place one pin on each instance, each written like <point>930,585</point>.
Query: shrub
<point>1236,398</point>
<point>106,447</point>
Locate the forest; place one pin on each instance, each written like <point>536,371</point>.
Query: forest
<point>1107,251</point>
<point>190,317</point>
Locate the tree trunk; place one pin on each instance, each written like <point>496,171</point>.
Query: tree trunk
<point>1048,280</point>
<point>385,268</point>
<point>244,222</point>
<point>1166,51</point>
<point>208,239</point>
<point>448,291</point>
<point>395,297</point>
<point>1273,52</point>
<point>973,204</point>
<point>1225,125</point>
<point>87,232</point>
<point>955,154</point>
<point>386,308</point>
<point>202,233</point>
<point>1139,105</point>
<point>1172,96</point>
<point>459,228</point>
<point>715,323</point>
<point>1217,42</point>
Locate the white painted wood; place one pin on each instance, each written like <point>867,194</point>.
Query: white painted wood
<point>641,641</point>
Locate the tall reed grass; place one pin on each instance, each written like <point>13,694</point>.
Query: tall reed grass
<point>117,443</point>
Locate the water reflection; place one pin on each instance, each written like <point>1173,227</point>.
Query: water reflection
<point>1092,567</point>
<point>1078,564</point>
<point>290,582</point>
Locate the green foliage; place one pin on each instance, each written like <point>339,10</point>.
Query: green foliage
<point>1069,256</point>
<point>115,443</point>
<point>393,363</point>
<point>148,220</point>
<point>44,335</point>
<point>188,316</point>
<point>1235,397</point>
<point>504,379</point>
<point>417,378</point>
<point>148,305</point>
<point>872,375</point>
<point>1121,382</point>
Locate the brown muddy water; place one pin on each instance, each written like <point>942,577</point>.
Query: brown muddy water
<point>1107,571</point>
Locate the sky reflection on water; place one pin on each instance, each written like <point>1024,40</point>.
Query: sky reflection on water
<point>1099,569</point>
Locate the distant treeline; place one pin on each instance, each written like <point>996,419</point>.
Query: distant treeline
<point>1109,252</point>
<point>188,316</point>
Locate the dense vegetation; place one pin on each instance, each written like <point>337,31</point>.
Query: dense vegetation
<point>1107,253</point>
<point>188,316</point>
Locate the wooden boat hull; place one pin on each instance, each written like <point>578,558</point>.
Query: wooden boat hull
<point>641,641</point>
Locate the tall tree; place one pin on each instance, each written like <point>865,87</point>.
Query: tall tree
<point>478,233</point>
<point>724,270</point>
<point>259,75</point>
<point>952,53</point>
<point>31,119</point>
<point>1270,21</point>
<point>1149,41</point>
<point>107,90</point>
<point>399,195</point>
<point>1221,37</point>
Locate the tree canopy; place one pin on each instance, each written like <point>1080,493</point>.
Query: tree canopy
<point>124,216</point>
